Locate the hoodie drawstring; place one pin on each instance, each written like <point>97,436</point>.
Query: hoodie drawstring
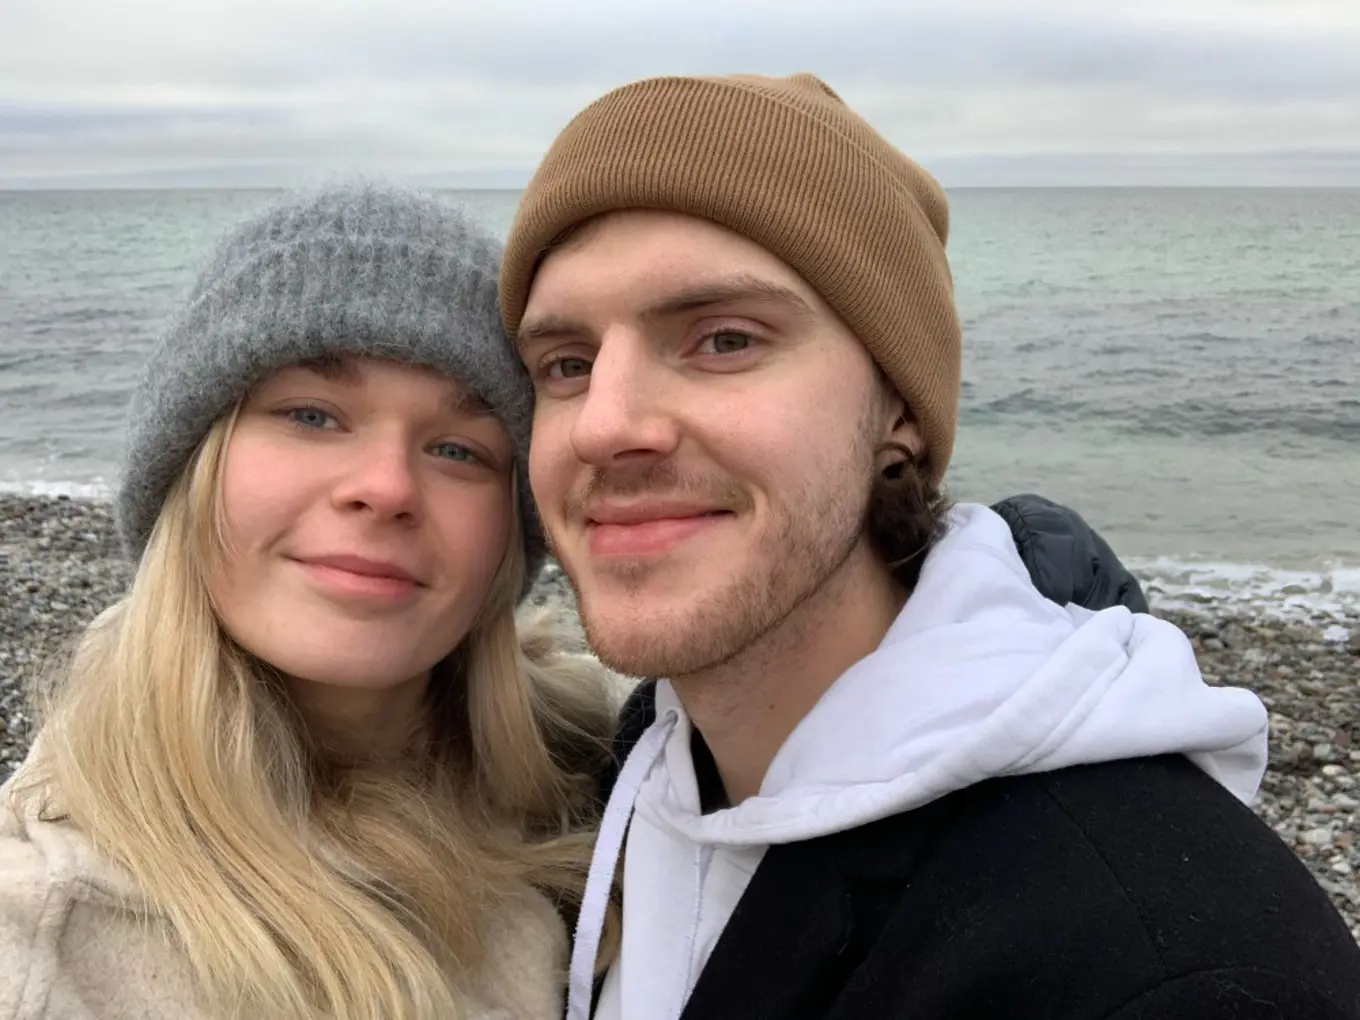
<point>703,857</point>
<point>608,848</point>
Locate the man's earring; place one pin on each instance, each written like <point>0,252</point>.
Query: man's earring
<point>902,459</point>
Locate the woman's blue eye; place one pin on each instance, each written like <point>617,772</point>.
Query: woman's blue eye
<point>310,417</point>
<point>458,452</point>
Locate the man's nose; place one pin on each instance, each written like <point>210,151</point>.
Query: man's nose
<point>624,418</point>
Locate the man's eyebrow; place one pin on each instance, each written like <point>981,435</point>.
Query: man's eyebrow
<point>549,327</point>
<point>729,290</point>
<point>718,291</point>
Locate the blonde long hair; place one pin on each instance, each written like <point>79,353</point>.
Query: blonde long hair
<point>296,885</point>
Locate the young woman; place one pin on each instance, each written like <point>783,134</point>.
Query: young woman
<point>308,767</point>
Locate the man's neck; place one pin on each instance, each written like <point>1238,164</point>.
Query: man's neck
<point>746,708</point>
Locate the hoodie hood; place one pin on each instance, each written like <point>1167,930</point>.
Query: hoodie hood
<point>980,676</point>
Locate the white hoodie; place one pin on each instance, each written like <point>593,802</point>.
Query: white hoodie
<point>979,676</point>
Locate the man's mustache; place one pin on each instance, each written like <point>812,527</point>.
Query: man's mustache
<point>665,480</point>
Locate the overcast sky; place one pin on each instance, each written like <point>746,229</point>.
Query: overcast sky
<point>981,91</point>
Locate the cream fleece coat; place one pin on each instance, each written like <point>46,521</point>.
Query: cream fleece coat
<point>73,945</point>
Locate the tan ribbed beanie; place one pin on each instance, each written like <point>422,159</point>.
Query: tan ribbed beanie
<point>785,163</point>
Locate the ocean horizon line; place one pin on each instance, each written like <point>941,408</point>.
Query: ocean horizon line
<point>67,189</point>
<point>1262,169</point>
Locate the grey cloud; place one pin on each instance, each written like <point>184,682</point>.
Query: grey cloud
<point>601,44</point>
<point>429,86</point>
<point>65,122</point>
<point>1010,49</point>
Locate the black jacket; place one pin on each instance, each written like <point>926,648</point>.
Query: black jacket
<point>1122,891</point>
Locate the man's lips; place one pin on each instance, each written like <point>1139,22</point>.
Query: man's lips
<point>624,512</point>
<point>647,529</point>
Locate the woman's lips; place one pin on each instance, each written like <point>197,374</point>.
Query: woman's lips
<point>353,577</point>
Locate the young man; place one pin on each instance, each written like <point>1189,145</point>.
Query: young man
<point>883,775</point>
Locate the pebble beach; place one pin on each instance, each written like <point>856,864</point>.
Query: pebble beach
<point>60,565</point>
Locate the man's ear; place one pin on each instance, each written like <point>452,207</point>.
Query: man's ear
<point>902,427</point>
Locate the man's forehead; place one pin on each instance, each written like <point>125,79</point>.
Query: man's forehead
<point>645,263</point>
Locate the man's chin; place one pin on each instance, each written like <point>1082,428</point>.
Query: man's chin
<point>645,656</point>
<point>646,634</point>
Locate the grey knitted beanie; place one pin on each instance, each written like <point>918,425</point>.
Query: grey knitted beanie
<point>360,269</point>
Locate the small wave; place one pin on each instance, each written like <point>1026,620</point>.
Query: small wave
<point>96,490</point>
<point>1029,401</point>
<point>1205,336</point>
<point>1334,421</point>
<point>1329,340</point>
<point>1125,376</point>
<point>86,315</point>
<point>91,398</point>
<point>1194,418</point>
<point>26,391</point>
<point>10,362</point>
<point>1326,597</point>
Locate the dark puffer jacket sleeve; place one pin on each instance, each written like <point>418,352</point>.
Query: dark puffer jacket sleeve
<point>1067,560</point>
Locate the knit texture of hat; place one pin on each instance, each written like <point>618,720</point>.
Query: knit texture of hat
<point>359,269</point>
<point>785,163</point>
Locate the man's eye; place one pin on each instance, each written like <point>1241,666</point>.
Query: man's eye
<point>728,341</point>
<point>567,368</point>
